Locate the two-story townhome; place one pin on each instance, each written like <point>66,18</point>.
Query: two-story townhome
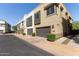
<point>20,26</point>
<point>48,18</point>
<point>4,27</point>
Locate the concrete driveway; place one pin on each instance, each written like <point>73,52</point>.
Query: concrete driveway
<point>11,45</point>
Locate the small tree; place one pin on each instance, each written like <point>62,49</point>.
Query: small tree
<point>14,28</point>
<point>75,25</point>
<point>33,34</point>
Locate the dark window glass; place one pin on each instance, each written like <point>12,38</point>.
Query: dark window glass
<point>22,23</point>
<point>2,25</point>
<point>50,10</point>
<point>29,21</point>
<point>61,8</point>
<point>37,18</point>
<point>29,31</point>
<point>66,13</point>
<point>70,17</point>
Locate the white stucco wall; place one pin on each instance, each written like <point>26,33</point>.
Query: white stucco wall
<point>5,28</point>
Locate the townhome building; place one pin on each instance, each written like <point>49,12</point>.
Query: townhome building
<point>4,27</point>
<point>47,18</point>
<point>20,27</point>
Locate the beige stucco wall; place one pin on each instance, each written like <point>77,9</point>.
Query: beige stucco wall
<point>50,20</point>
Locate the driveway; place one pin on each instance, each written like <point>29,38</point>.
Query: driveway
<point>11,45</point>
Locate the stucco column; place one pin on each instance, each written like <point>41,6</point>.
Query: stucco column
<point>34,31</point>
<point>25,27</point>
<point>55,9</point>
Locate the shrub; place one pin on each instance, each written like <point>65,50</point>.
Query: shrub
<point>33,34</point>
<point>51,37</point>
<point>23,33</point>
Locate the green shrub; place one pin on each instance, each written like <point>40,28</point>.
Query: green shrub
<point>51,37</point>
<point>33,34</point>
<point>23,33</point>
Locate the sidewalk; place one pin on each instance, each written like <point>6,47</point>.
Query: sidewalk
<point>51,47</point>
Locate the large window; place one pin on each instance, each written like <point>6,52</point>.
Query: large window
<point>29,21</point>
<point>37,18</point>
<point>49,9</point>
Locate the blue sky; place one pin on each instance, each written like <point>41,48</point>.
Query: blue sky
<point>12,13</point>
<point>73,9</point>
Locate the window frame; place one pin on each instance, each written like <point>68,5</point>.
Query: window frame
<point>37,17</point>
<point>29,20</point>
<point>50,9</point>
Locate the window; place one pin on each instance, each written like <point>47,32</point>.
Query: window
<point>8,25</point>
<point>61,8</point>
<point>66,13</point>
<point>29,21</point>
<point>22,23</point>
<point>50,9</point>
<point>37,18</point>
<point>70,18</point>
<point>56,4</point>
<point>29,31</point>
<point>2,25</point>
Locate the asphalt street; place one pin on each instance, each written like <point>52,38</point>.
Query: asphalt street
<point>11,45</point>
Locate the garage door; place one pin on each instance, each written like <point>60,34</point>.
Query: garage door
<point>1,31</point>
<point>43,31</point>
<point>29,31</point>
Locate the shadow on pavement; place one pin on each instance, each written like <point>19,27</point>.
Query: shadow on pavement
<point>74,36</point>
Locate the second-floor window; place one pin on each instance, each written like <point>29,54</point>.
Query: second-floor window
<point>37,18</point>
<point>22,23</point>
<point>29,21</point>
<point>61,8</point>
<point>49,9</point>
<point>2,25</point>
<point>70,18</point>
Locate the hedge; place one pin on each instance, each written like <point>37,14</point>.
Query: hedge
<point>51,37</point>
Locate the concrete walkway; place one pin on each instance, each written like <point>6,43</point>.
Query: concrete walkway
<point>73,44</point>
<point>51,47</point>
<point>60,40</point>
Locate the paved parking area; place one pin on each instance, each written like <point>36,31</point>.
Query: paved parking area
<point>11,45</point>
